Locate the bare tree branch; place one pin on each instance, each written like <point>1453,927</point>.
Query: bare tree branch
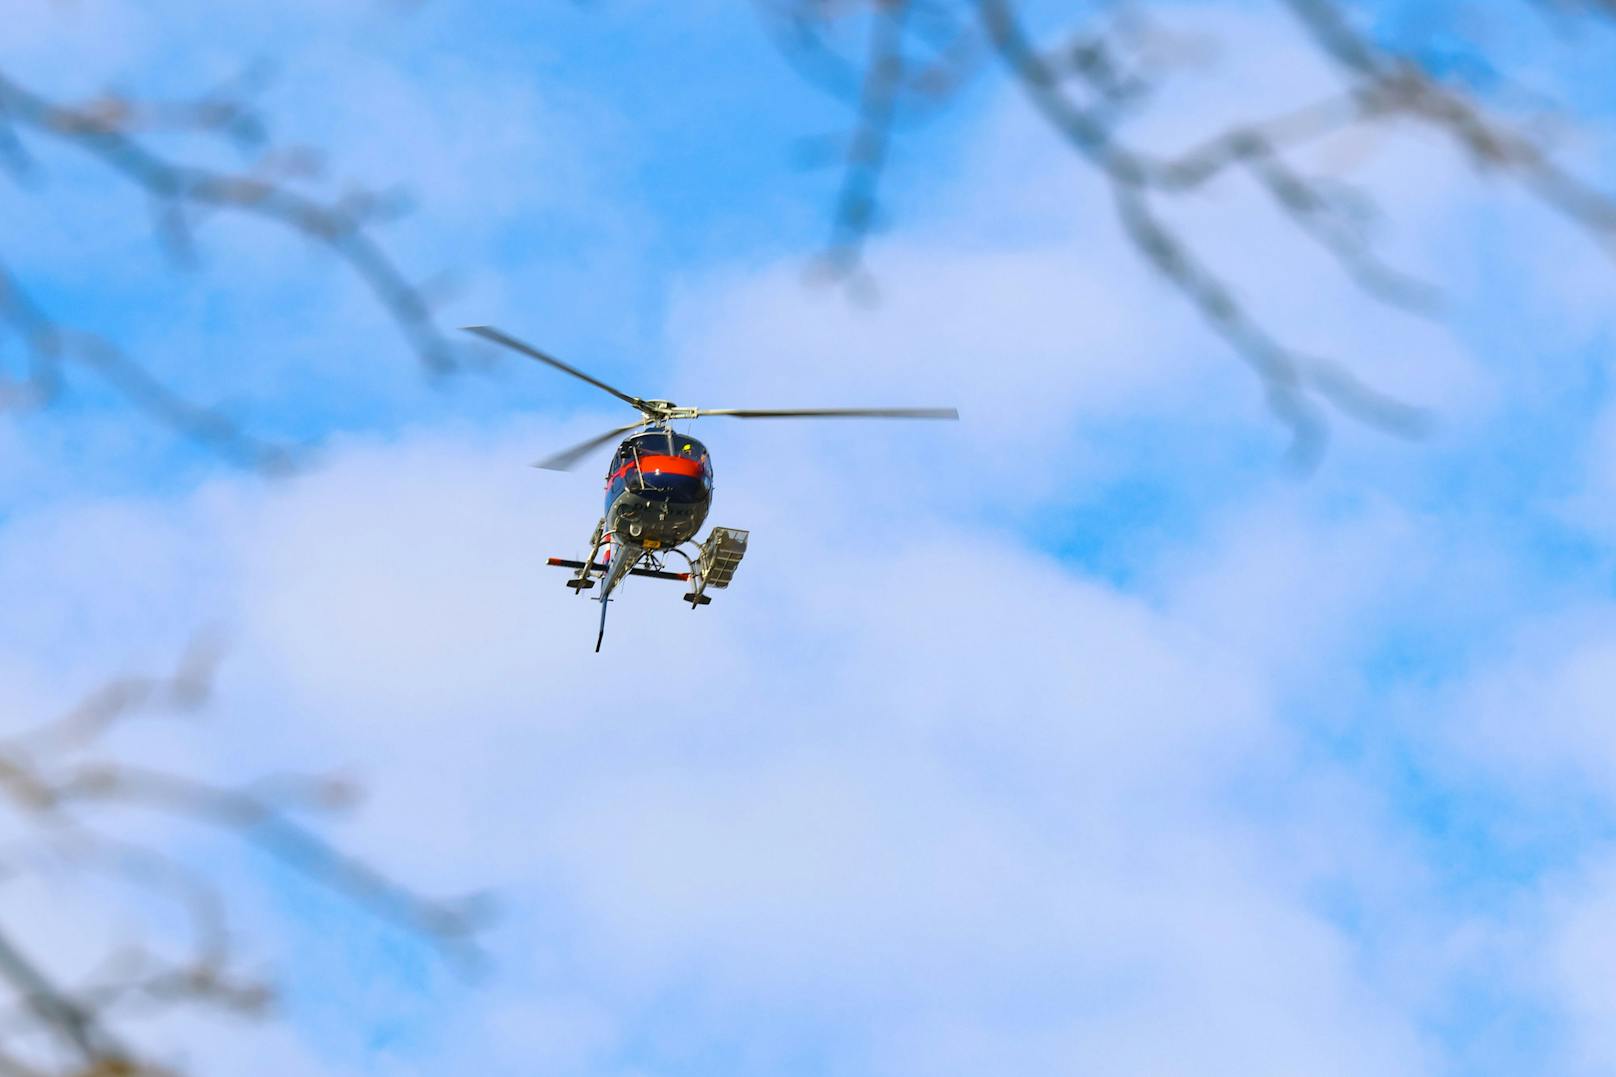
<point>1403,89</point>
<point>1288,378</point>
<point>78,1028</point>
<point>107,129</point>
<point>1087,88</point>
<point>855,205</point>
<point>60,776</point>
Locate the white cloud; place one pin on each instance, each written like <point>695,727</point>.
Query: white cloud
<point>1578,962</point>
<point>1534,714</point>
<point>894,780</point>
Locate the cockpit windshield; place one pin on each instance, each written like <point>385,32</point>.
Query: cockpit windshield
<point>667,443</point>
<point>642,463</point>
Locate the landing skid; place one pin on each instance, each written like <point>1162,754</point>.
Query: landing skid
<point>713,565</point>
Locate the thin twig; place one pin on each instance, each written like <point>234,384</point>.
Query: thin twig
<point>107,130</point>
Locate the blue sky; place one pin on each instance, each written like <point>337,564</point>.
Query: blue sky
<point>1085,736</point>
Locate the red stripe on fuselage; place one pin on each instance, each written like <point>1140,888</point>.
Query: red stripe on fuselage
<point>668,465</point>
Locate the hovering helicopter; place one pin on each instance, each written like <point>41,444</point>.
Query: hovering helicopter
<point>659,488</point>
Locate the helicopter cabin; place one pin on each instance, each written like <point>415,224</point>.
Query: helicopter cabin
<point>661,465</point>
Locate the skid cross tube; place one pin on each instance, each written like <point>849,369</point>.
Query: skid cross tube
<point>601,567</point>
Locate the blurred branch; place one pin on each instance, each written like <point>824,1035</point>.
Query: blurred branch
<point>255,819</point>
<point>1087,88</point>
<point>185,689</point>
<point>78,1027</point>
<point>855,204</point>
<point>61,775</point>
<point>917,53</point>
<point>108,129</point>
<point>1292,382</point>
<point>1401,88</point>
<point>50,344</point>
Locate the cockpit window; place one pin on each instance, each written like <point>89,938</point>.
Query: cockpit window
<point>668,443</point>
<point>664,443</point>
<point>691,449</point>
<point>651,443</point>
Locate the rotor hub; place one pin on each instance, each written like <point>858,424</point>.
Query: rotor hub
<point>664,411</point>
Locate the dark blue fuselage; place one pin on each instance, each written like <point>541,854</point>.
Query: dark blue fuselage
<point>658,489</point>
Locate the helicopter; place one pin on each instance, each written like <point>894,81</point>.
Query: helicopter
<point>659,487</point>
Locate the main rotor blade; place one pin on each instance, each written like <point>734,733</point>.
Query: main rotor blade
<point>833,413</point>
<point>566,459</point>
<point>488,332</point>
